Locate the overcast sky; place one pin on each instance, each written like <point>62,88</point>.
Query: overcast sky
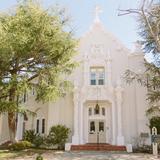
<point>82,15</point>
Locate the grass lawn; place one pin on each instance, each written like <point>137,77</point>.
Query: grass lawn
<point>7,154</point>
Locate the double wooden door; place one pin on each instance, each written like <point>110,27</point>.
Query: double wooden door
<point>97,131</point>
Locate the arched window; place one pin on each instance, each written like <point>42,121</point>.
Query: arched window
<point>43,125</point>
<point>96,109</point>
<point>90,111</point>
<point>37,126</point>
<point>101,126</point>
<point>103,111</point>
<point>92,126</point>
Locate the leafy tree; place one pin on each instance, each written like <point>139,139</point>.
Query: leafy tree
<point>35,51</point>
<point>149,30</point>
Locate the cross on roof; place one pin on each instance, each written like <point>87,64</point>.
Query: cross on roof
<point>97,11</point>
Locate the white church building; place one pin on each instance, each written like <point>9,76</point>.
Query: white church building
<point>101,102</point>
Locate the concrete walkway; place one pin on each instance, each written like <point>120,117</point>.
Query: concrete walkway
<point>59,155</point>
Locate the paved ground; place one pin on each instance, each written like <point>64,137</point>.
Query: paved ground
<point>59,155</point>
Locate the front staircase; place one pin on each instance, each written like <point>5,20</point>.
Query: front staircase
<point>97,147</point>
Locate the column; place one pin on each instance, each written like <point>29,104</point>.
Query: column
<point>75,137</point>
<point>119,91</point>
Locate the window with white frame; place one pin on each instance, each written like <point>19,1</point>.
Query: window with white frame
<point>37,126</point>
<point>97,76</point>
<point>43,125</point>
<point>92,126</point>
<point>33,90</point>
<point>96,111</point>
<point>25,97</point>
<point>93,76</point>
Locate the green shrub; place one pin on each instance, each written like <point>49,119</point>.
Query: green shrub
<point>39,157</point>
<point>58,135</point>
<point>35,138</point>
<point>29,135</point>
<point>155,122</point>
<point>20,145</point>
<point>38,141</point>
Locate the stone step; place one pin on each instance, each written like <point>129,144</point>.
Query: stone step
<point>96,147</point>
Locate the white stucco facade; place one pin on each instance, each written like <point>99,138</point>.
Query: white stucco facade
<point>121,116</point>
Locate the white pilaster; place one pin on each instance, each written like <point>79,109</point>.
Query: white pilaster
<point>81,136</point>
<point>86,124</point>
<point>75,137</point>
<point>119,91</point>
<point>86,70</point>
<point>113,124</point>
<point>108,69</point>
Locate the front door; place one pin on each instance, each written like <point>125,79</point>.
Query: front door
<point>97,131</point>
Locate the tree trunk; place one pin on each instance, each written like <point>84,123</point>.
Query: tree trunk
<point>12,126</point>
<point>12,117</point>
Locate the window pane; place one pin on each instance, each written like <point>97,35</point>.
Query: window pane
<point>93,75</point>
<point>101,126</point>
<point>93,82</point>
<point>93,78</point>
<point>96,109</point>
<point>25,97</point>
<point>37,126</point>
<point>92,126</point>
<point>101,76</point>
<point>101,81</point>
<point>43,125</point>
